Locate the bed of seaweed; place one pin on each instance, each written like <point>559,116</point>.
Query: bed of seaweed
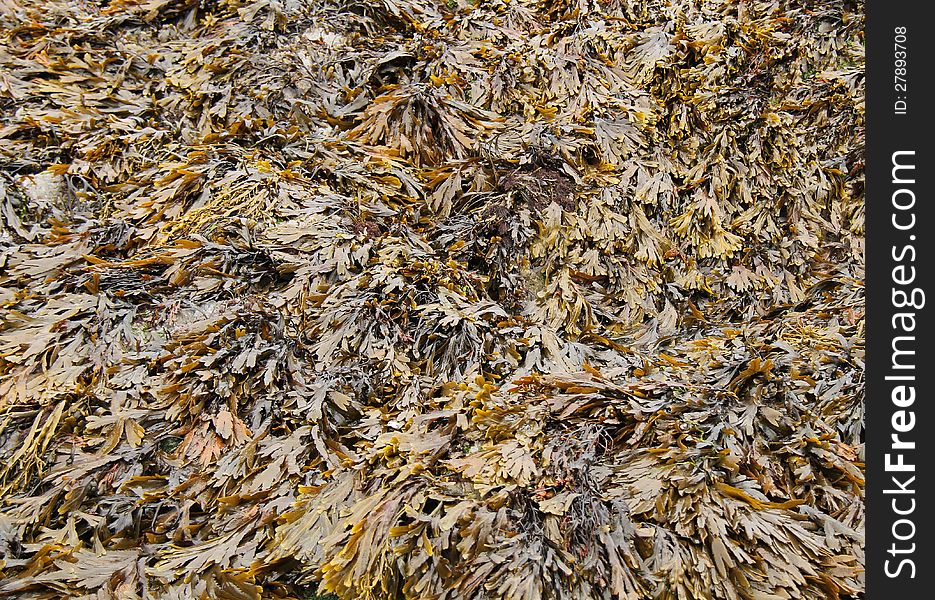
<point>413,299</point>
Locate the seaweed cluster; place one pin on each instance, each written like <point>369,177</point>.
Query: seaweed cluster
<point>414,299</point>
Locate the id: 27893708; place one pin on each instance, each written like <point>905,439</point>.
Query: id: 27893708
<point>900,70</point>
